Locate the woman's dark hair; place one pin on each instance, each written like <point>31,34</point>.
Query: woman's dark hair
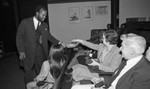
<point>56,57</point>
<point>111,36</point>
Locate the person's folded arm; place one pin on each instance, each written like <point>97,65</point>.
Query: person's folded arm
<point>20,37</point>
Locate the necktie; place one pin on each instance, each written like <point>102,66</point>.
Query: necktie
<point>40,39</point>
<point>38,25</point>
<point>122,65</point>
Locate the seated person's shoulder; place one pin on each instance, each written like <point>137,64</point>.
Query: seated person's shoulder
<point>101,44</point>
<point>116,49</point>
<point>46,62</point>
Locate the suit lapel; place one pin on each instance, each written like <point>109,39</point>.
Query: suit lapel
<point>129,72</point>
<point>116,73</point>
<point>32,27</point>
<point>32,23</point>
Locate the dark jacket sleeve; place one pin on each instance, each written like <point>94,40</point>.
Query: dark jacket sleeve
<point>20,37</point>
<point>52,39</point>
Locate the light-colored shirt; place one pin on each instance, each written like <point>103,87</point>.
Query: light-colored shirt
<point>45,73</point>
<point>128,66</point>
<point>35,21</point>
<point>105,52</point>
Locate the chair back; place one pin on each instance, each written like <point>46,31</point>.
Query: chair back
<point>96,34</point>
<point>60,79</point>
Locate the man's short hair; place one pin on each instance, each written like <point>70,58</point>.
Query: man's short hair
<point>39,7</point>
<point>136,41</point>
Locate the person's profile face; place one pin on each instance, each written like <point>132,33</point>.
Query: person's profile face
<point>104,40</point>
<point>42,15</point>
<point>125,50</point>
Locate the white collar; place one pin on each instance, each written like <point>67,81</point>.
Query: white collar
<point>135,60</point>
<point>109,48</point>
<point>36,21</point>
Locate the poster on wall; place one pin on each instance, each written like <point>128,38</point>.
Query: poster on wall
<point>87,12</point>
<point>73,13</point>
<point>101,10</point>
<point>74,19</point>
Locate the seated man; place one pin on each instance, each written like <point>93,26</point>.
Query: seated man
<point>135,74</point>
<point>108,58</point>
<point>50,70</point>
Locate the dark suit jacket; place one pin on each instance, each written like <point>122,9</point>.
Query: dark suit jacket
<point>25,40</point>
<point>138,77</point>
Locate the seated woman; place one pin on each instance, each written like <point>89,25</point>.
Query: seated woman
<point>50,69</point>
<point>108,57</point>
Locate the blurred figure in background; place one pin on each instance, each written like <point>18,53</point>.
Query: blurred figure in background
<point>148,54</point>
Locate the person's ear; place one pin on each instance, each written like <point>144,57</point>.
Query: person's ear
<point>132,51</point>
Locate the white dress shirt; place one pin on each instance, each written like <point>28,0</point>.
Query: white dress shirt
<point>35,21</point>
<point>128,66</point>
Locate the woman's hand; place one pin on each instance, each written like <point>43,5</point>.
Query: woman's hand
<point>39,79</point>
<point>94,63</point>
<point>71,45</point>
<point>96,80</point>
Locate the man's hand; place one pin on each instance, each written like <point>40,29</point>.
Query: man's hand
<point>94,63</point>
<point>77,41</point>
<point>71,45</point>
<point>22,56</point>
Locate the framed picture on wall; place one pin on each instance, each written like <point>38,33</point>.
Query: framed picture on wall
<point>87,12</point>
<point>74,14</point>
<point>101,10</point>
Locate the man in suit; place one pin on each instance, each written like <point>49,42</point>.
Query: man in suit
<point>136,73</point>
<point>32,42</point>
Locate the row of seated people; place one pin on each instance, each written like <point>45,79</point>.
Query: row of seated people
<point>42,74</point>
<point>108,59</point>
<point>135,74</point>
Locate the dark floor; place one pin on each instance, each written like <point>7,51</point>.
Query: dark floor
<point>11,76</point>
